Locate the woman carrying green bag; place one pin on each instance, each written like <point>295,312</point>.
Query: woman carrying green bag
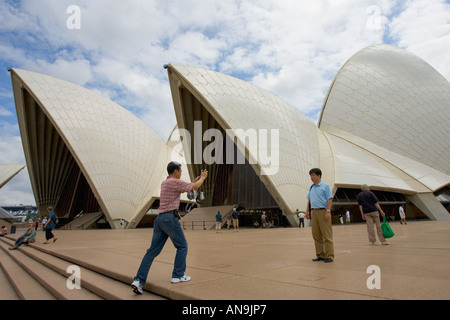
<point>369,208</point>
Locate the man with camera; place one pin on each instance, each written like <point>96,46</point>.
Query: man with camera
<point>167,226</point>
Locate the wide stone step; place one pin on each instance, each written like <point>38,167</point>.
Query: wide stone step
<point>107,284</point>
<point>52,281</point>
<point>106,287</point>
<point>7,291</point>
<point>25,286</point>
<point>101,284</point>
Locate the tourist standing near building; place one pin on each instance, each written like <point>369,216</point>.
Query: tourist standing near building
<point>301,219</point>
<point>263,219</point>
<point>369,208</point>
<point>235,216</point>
<point>320,199</point>
<point>401,212</point>
<point>167,226</point>
<point>347,217</point>
<point>218,222</point>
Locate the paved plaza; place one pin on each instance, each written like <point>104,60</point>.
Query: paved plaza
<point>274,264</point>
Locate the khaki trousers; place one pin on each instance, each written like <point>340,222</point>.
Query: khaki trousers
<point>322,234</point>
<point>373,218</point>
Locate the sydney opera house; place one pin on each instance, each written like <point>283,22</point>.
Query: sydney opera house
<point>384,122</point>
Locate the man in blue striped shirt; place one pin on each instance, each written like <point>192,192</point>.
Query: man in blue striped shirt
<point>320,199</point>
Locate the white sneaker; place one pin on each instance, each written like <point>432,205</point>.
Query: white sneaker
<point>137,287</point>
<point>184,278</point>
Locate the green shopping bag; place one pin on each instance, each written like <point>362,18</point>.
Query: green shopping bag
<point>387,231</point>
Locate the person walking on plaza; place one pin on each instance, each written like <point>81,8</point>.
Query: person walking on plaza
<point>235,216</point>
<point>218,222</point>
<point>167,226</point>
<point>320,199</point>
<point>370,209</point>
<point>401,212</point>
<point>50,225</point>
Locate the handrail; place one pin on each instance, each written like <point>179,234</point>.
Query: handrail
<point>199,223</point>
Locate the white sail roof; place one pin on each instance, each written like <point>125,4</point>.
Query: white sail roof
<point>120,156</point>
<point>8,171</point>
<point>393,104</point>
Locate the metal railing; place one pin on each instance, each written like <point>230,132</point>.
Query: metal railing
<point>200,224</point>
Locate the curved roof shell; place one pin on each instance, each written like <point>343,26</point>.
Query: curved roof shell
<point>395,106</point>
<point>239,105</point>
<point>8,171</point>
<point>122,159</point>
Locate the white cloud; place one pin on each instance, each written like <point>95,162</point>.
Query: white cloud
<point>195,48</point>
<point>304,44</point>
<point>11,150</point>
<point>14,19</point>
<point>18,189</point>
<point>304,87</point>
<point>423,28</point>
<point>78,71</point>
<point>5,113</point>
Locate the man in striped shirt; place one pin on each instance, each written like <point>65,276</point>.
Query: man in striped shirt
<point>167,226</point>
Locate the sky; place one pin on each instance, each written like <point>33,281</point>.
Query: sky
<point>292,48</point>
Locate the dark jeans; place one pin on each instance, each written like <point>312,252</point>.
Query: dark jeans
<point>166,226</point>
<point>302,223</point>
<point>20,242</point>
<point>48,234</point>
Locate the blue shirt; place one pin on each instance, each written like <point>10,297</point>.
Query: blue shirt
<point>29,235</point>
<point>218,217</point>
<point>51,216</point>
<point>319,194</point>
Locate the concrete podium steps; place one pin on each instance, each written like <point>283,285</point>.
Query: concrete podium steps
<point>32,273</point>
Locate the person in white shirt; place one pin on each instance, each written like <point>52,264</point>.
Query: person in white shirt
<point>347,217</point>
<point>401,211</point>
<point>301,218</point>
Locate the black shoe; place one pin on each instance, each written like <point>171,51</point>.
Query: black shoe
<point>318,258</point>
<point>327,260</point>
